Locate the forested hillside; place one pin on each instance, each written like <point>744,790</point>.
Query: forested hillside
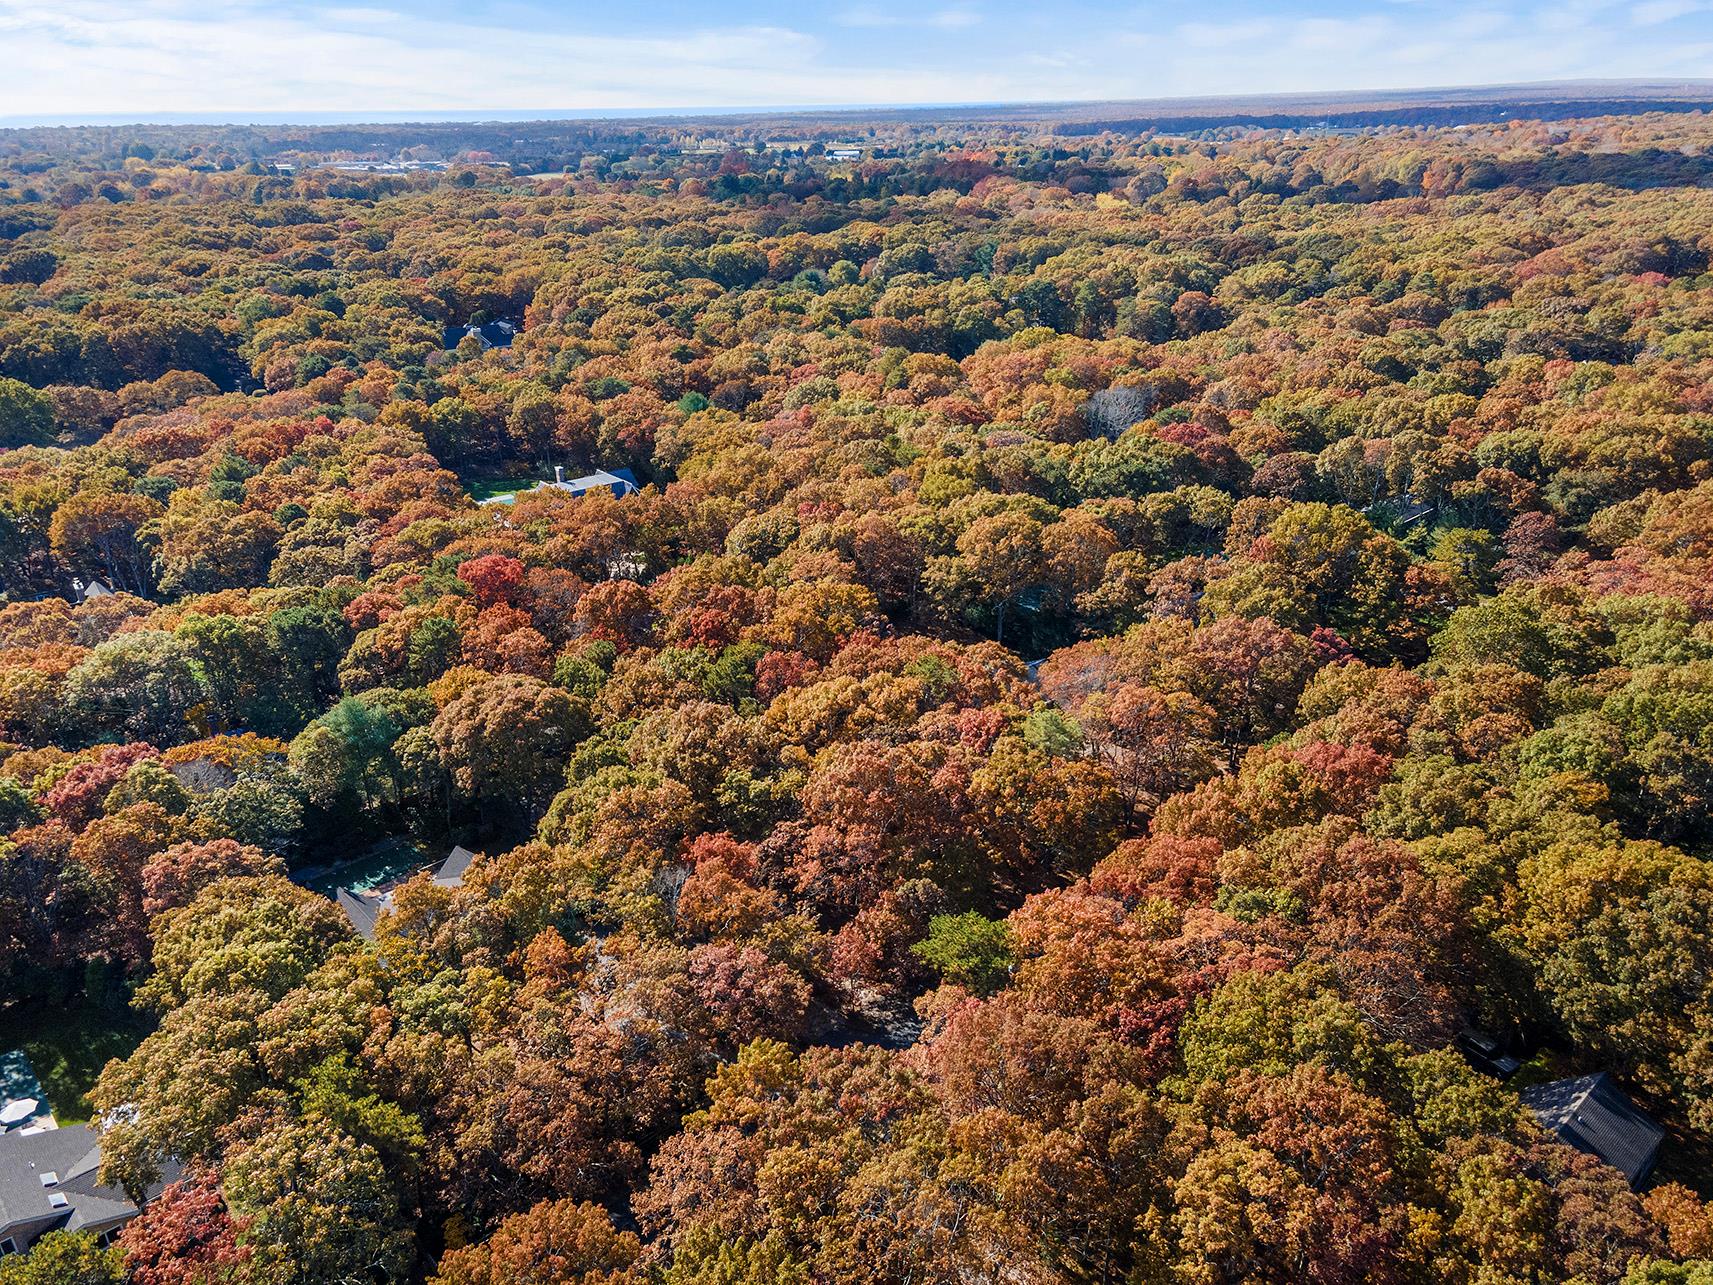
<point>1126,651</point>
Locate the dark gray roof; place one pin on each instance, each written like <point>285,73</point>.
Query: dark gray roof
<point>620,481</point>
<point>73,1156</point>
<point>362,909</point>
<point>1593,1114</point>
<point>203,775</point>
<point>365,907</point>
<point>493,334</point>
<point>451,872</point>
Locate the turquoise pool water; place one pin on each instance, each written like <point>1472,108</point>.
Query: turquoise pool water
<point>382,864</point>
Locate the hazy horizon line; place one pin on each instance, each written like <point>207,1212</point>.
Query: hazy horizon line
<point>482,116</point>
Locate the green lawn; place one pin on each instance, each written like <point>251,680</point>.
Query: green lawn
<point>485,488</point>
<point>70,1042</point>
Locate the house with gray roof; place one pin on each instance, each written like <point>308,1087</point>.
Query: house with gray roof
<point>620,481</point>
<point>49,1181</point>
<point>364,907</point>
<point>1592,1114</point>
<point>82,592</point>
<point>490,334</point>
<point>451,872</point>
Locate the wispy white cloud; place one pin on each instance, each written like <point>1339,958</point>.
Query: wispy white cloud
<point>951,18</point>
<point>1222,35</point>
<point>143,57</point>
<point>359,14</point>
<point>1410,43</point>
<point>1652,13</point>
<point>88,56</point>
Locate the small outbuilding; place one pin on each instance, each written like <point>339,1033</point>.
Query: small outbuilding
<point>1593,1114</point>
<point>620,481</point>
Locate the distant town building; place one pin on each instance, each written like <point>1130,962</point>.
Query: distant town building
<point>385,167</point>
<point>1593,1114</point>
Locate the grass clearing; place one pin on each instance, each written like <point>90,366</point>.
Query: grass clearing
<point>69,1042</point>
<point>485,488</point>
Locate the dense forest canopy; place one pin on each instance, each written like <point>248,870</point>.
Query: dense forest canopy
<point>1127,647</point>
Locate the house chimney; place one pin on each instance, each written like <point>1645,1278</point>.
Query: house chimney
<point>559,474</point>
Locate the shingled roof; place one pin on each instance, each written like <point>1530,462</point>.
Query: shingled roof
<point>1593,1114</point>
<point>49,1182</point>
<point>620,481</point>
<point>493,334</point>
<point>364,907</point>
<point>451,872</point>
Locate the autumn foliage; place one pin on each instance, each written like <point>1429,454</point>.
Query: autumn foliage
<point>1125,650</point>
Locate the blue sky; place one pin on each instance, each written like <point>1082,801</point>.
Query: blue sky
<point>149,58</point>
